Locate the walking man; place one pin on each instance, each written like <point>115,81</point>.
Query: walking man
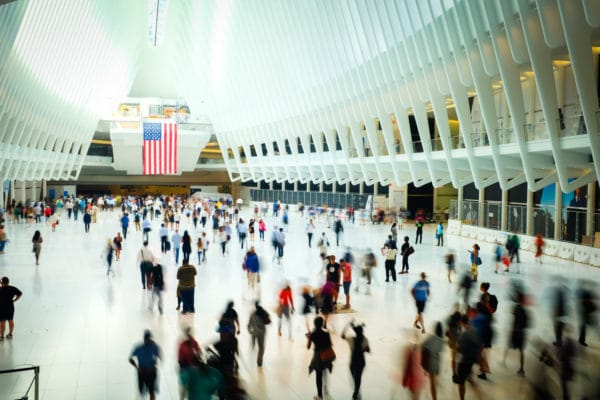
<point>147,354</point>
<point>420,292</point>
<point>125,224</point>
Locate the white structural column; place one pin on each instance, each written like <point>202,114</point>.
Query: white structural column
<point>504,211</point>
<point>33,192</point>
<point>589,215</point>
<point>459,203</point>
<point>44,189</point>
<point>2,205</point>
<point>557,212</point>
<point>529,214</point>
<point>481,207</point>
<point>23,191</point>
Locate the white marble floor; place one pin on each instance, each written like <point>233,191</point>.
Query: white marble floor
<point>80,325</point>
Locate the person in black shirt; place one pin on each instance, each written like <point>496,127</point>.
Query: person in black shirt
<point>518,331</point>
<point>230,318</point>
<point>322,341</point>
<point>405,251</point>
<point>8,296</point>
<point>587,309</point>
<point>333,275</point>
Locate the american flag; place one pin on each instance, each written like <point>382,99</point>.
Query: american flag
<point>160,148</point>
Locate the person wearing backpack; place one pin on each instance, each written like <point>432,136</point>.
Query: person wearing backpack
<point>257,326</point>
<point>487,306</point>
<point>431,350</point>
<point>406,250</point>
<point>158,285</point>
<point>359,345</point>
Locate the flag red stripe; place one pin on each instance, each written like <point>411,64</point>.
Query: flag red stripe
<point>160,156</point>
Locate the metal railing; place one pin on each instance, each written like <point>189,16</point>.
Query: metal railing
<point>35,382</point>
<point>573,220</point>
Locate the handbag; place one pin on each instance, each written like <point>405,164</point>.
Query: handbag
<point>327,355</point>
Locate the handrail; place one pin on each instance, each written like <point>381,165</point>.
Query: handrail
<point>36,379</point>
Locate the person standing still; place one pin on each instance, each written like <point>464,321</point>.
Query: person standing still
<point>439,234</point>
<point>419,237</point>
<point>420,293</point>
<point>8,296</point>
<point>406,250</point>
<point>186,275</point>
<point>390,262</point>
<point>147,355</point>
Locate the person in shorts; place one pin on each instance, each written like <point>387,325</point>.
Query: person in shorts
<point>346,280</point>
<point>147,354</point>
<point>8,296</point>
<point>420,293</point>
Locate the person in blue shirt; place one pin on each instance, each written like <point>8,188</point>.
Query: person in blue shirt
<point>176,244</point>
<point>420,293</point>
<point>439,234</point>
<point>125,224</point>
<point>147,354</point>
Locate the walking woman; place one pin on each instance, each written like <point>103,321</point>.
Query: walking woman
<point>323,355</point>
<point>359,345</point>
<point>108,252</point>
<point>200,249</point>
<point>251,230</point>
<point>37,246</point>
<point>286,308</point>
<point>262,227</point>
<point>186,247</point>
<point>118,246</point>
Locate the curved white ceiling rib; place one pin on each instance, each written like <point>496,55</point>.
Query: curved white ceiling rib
<point>312,67</point>
<point>64,64</point>
<point>313,73</point>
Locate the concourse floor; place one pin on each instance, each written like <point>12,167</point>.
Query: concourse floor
<point>80,325</point>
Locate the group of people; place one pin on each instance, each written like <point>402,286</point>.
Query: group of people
<point>468,331</point>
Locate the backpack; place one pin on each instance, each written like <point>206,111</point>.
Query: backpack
<point>493,302</point>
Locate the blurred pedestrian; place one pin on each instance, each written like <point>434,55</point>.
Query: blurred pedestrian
<point>323,355</point>
<point>147,354</point>
<point>257,327</point>
<point>37,246</point>
<point>359,345</point>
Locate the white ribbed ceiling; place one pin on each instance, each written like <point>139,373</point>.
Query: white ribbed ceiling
<point>265,71</point>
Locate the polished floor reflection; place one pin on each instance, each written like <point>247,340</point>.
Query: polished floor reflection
<point>80,325</point>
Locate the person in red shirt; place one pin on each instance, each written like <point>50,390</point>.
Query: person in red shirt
<point>188,356</point>
<point>346,280</point>
<point>286,307</point>
<point>47,214</point>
